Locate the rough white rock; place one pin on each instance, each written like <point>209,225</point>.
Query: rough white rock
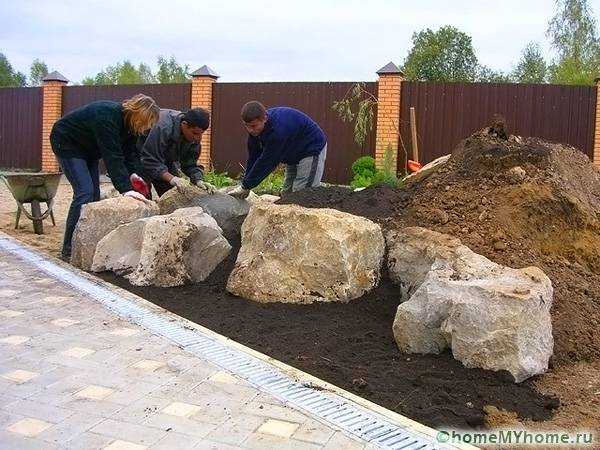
<point>491,316</point>
<point>182,247</point>
<point>229,212</point>
<point>100,218</point>
<point>299,255</point>
<point>119,251</point>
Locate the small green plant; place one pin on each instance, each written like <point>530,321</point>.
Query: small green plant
<point>218,179</point>
<point>364,171</point>
<point>387,174</point>
<point>367,174</point>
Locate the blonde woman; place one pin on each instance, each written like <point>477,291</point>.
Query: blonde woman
<point>100,130</point>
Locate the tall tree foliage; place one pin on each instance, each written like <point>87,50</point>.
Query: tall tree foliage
<point>37,72</point>
<point>170,71</point>
<point>8,76</point>
<point>532,67</point>
<point>573,35</point>
<point>122,73</point>
<point>443,55</point>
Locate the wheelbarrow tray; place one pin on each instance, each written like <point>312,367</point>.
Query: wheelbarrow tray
<point>26,187</point>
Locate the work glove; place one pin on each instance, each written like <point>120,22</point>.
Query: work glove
<point>239,192</point>
<point>137,196</point>
<point>139,185</point>
<point>206,186</point>
<point>179,183</point>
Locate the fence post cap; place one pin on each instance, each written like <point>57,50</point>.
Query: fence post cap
<point>390,69</point>
<point>55,76</point>
<point>205,71</point>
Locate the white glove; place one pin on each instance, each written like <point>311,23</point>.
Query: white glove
<point>239,192</point>
<point>179,183</point>
<point>206,186</point>
<point>136,195</point>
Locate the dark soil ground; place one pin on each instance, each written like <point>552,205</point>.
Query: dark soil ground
<point>352,346</point>
<point>519,202</point>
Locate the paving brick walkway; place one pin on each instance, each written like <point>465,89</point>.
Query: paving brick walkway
<point>75,376</point>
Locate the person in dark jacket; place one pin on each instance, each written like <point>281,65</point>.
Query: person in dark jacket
<point>173,147</point>
<point>100,130</point>
<point>282,135</point>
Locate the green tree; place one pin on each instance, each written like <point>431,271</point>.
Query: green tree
<point>573,35</point>
<point>532,67</point>
<point>170,71</point>
<point>486,74</point>
<point>443,55</point>
<point>122,73</point>
<point>37,72</point>
<point>8,76</point>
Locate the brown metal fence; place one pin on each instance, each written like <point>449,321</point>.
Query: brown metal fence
<point>315,99</point>
<point>449,112</point>
<point>172,96</point>
<point>21,128</point>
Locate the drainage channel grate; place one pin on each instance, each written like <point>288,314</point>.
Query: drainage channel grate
<point>328,406</point>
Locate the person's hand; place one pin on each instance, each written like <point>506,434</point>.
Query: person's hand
<point>206,186</point>
<point>239,192</point>
<point>136,195</point>
<point>139,185</point>
<point>179,183</point>
<point>135,177</point>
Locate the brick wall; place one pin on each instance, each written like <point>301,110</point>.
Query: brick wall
<point>51,112</point>
<point>202,97</point>
<point>388,113</point>
<point>596,157</point>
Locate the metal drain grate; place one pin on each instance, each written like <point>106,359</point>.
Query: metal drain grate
<point>328,406</point>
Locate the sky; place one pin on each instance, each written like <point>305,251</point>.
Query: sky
<point>256,40</point>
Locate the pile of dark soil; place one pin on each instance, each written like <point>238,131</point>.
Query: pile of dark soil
<point>519,202</point>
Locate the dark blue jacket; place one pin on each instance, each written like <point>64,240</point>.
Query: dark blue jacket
<point>289,136</point>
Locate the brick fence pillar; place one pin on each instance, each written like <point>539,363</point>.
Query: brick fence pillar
<point>51,111</point>
<point>388,112</point>
<point>202,97</point>
<point>596,154</point>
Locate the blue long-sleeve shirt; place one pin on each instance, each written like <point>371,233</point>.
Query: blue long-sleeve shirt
<point>289,136</point>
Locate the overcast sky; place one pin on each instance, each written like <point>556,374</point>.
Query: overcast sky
<point>255,40</point>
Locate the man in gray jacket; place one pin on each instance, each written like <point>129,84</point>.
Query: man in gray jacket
<point>172,147</point>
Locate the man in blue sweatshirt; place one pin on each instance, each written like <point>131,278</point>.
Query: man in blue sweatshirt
<point>282,135</point>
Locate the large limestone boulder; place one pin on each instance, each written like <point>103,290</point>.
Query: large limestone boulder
<point>100,218</point>
<point>119,251</point>
<point>183,247</point>
<point>228,211</point>
<point>293,254</point>
<point>491,316</point>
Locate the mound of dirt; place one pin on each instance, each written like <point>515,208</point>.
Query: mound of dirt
<point>517,201</point>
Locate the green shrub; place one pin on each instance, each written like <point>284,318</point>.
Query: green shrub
<point>218,179</point>
<point>366,173</point>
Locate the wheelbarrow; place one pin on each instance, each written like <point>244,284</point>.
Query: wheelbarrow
<point>33,188</point>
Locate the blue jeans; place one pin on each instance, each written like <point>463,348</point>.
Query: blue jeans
<point>84,177</point>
